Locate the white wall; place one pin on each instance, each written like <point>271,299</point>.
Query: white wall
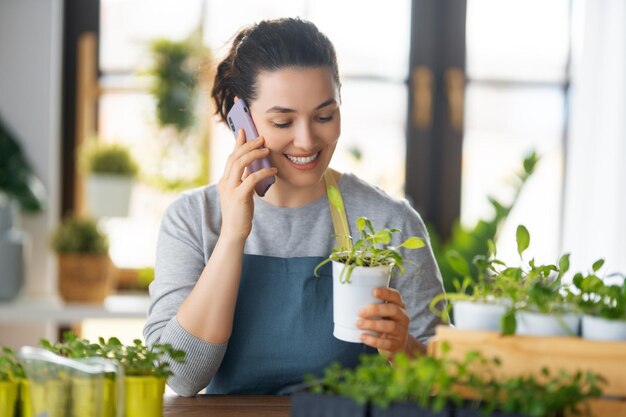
<point>30,103</point>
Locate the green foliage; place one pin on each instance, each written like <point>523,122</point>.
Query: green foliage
<point>72,347</point>
<point>140,360</point>
<point>545,395</point>
<point>596,298</point>
<point>10,368</point>
<point>474,241</point>
<point>433,383</point>
<point>370,250</point>
<point>531,287</point>
<point>100,157</point>
<point>136,359</point>
<point>175,80</point>
<point>17,178</point>
<point>79,236</point>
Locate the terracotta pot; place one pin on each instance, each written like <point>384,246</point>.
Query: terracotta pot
<point>85,278</point>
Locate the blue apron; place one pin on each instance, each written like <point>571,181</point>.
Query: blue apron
<point>282,328</point>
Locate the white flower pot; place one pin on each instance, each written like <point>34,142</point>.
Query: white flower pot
<point>598,328</point>
<point>537,324</point>
<point>108,195</point>
<point>350,297</point>
<point>472,315</point>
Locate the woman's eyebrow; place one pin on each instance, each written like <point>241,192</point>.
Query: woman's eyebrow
<point>278,109</point>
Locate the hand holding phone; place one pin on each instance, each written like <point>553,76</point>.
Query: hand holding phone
<point>239,118</point>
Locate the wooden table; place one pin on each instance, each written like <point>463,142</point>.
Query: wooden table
<point>227,406</point>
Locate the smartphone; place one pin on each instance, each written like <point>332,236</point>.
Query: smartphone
<point>239,118</point>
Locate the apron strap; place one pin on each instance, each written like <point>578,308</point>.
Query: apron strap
<point>337,212</point>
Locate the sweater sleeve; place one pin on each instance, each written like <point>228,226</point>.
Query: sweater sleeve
<point>179,263</point>
<point>421,280</point>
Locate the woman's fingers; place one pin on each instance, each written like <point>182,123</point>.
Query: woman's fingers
<point>238,166</point>
<point>390,295</point>
<point>251,180</point>
<point>241,147</point>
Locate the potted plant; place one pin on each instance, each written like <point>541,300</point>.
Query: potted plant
<point>10,374</point>
<point>19,189</point>
<point>145,373</point>
<point>359,268</point>
<point>85,270</point>
<point>110,174</point>
<point>603,305</point>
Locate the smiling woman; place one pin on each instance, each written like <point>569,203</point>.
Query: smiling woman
<point>234,278</point>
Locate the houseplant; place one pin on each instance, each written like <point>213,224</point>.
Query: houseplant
<point>145,373</point>
<point>110,174</point>
<point>19,188</point>
<point>603,305</point>
<point>360,267</point>
<point>10,374</point>
<point>85,270</point>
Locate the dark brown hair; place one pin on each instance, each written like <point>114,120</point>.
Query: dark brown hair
<point>269,45</point>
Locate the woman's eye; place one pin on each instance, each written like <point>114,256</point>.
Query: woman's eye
<point>281,125</point>
<point>324,119</point>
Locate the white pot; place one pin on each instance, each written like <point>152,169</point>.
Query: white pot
<point>537,324</point>
<point>108,195</point>
<point>350,297</point>
<point>598,328</point>
<point>472,315</point>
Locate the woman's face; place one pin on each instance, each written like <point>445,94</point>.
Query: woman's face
<point>297,112</point>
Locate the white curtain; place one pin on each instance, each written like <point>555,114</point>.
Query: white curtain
<point>594,224</point>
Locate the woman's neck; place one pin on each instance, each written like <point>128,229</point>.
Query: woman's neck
<point>283,194</point>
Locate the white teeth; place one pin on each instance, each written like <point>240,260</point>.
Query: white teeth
<point>302,160</point>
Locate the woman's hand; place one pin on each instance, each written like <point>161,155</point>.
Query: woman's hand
<point>393,324</point>
<point>236,187</point>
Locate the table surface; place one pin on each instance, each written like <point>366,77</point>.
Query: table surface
<point>227,406</point>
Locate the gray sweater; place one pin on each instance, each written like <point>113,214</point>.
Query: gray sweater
<point>189,232</point>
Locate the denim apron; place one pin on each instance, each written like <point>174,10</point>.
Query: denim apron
<point>282,328</point>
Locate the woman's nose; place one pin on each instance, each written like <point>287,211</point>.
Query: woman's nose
<point>305,138</point>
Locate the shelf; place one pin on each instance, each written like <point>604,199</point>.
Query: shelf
<point>119,306</point>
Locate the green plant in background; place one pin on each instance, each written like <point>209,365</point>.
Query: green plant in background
<point>366,251</point>
<point>10,368</point>
<point>467,243</point>
<point>597,298</point>
<point>17,178</point>
<point>79,236</point>
<point>98,157</point>
<point>140,360</point>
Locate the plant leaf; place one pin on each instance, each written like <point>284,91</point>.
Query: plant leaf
<point>458,263</point>
<point>597,265</point>
<point>523,239</point>
<point>413,243</point>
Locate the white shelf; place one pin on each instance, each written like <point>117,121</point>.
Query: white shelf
<point>37,311</point>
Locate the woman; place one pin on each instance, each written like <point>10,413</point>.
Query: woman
<point>234,283</point>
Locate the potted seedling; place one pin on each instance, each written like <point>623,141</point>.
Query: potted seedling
<point>366,264</point>
<point>110,174</point>
<point>603,305</point>
<point>145,373</point>
<point>92,394</point>
<point>10,375</point>
<point>85,271</point>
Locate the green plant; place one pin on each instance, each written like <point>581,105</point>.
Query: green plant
<point>425,380</point>
<point>10,368</point>
<point>545,395</point>
<point>140,360</point>
<point>100,157</point>
<point>71,346</point>
<point>536,287</point>
<point>17,179</point>
<point>79,236</point>
<point>370,250</point>
<point>596,298</point>
<point>469,242</point>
